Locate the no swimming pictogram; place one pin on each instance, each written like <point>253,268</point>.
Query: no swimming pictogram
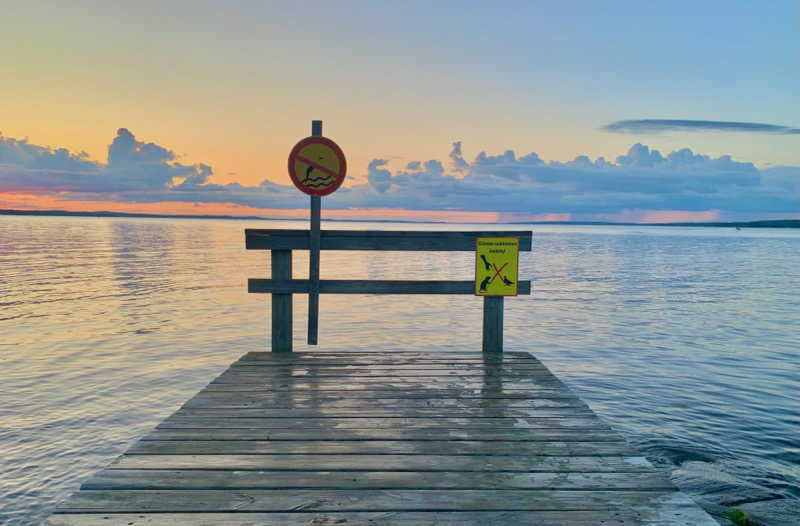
<point>496,266</point>
<point>317,166</point>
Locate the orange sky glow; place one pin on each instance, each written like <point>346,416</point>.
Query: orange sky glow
<point>22,201</point>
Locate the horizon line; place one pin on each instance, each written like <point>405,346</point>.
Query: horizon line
<point>778,223</point>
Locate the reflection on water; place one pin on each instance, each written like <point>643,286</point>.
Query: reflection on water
<point>492,374</point>
<point>142,263</point>
<point>683,339</point>
<point>143,256</point>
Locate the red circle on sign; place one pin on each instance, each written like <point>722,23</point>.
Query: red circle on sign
<point>328,161</point>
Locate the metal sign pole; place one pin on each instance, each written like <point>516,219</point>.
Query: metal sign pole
<point>313,259</point>
<point>317,167</point>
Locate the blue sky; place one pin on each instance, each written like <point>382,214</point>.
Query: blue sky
<point>225,90</point>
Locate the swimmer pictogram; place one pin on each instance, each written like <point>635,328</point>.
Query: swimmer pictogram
<point>317,166</point>
<point>317,181</point>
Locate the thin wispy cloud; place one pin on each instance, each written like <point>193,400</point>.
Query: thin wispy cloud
<point>641,179</point>
<point>663,125</point>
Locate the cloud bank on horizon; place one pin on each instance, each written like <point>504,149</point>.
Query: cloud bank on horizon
<point>662,125</point>
<point>641,179</point>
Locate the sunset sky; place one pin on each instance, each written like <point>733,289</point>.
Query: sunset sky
<point>633,111</point>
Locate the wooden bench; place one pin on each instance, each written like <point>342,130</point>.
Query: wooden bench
<point>281,285</point>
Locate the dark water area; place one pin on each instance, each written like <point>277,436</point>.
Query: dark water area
<point>682,339</point>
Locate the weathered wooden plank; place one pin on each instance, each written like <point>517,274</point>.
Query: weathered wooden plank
<point>387,382</point>
<point>493,323</point>
<point>535,372</point>
<point>549,399</point>
<point>392,356</point>
<point>433,386</point>
<point>408,375</point>
<point>432,380</point>
<point>347,462</point>
<point>211,398</point>
<point>322,393</point>
<point>376,392</point>
<point>126,479</point>
<point>399,358</point>
<point>376,447</point>
<point>362,500</point>
<point>366,362</point>
<point>281,303</point>
<point>334,364</point>
<point>398,354</point>
<point>360,286</point>
<point>233,411</point>
<point>395,354</point>
<point>667,512</point>
<point>243,411</point>
<point>416,375</point>
<point>378,370</point>
<point>397,405</point>
<point>392,353</point>
<point>522,434</point>
<point>550,418</point>
<point>284,239</point>
<point>215,407</point>
<point>410,367</point>
<point>364,392</point>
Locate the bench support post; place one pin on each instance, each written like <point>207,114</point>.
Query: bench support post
<point>493,324</point>
<point>281,303</point>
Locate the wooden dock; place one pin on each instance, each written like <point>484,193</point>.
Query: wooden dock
<point>378,438</point>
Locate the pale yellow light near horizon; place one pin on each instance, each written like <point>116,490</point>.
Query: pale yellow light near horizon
<point>237,149</point>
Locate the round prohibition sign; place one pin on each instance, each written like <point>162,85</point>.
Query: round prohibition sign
<point>317,166</point>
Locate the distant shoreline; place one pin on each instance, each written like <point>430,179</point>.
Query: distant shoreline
<point>769,223</point>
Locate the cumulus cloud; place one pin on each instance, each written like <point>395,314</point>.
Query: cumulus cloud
<point>135,171</point>
<point>661,125</point>
<point>132,166</point>
<point>458,163</point>
<point>378,177</point>
<point>640,179</point>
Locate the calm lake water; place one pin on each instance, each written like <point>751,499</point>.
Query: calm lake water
<point>685,340</point>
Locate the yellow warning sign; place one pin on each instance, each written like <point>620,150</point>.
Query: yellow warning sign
<point>317,166</point>
<point>496,266</point>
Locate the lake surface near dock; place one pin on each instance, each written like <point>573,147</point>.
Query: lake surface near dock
<point>683,339</point>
